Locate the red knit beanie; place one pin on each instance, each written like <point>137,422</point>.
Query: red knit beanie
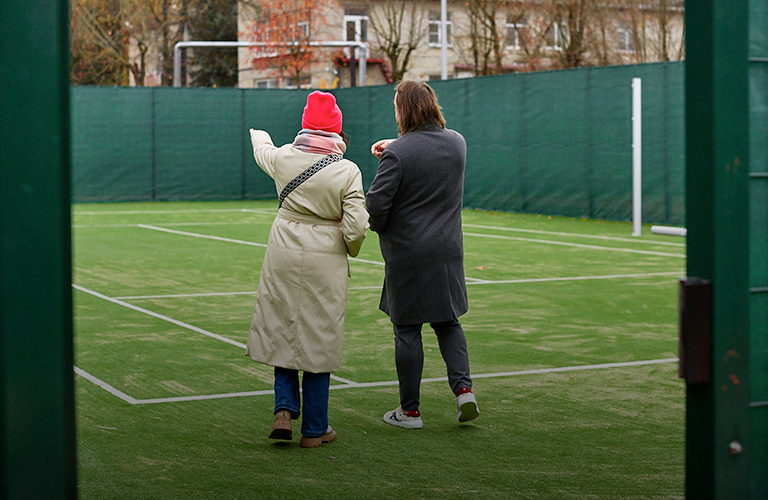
<point>321,113</point>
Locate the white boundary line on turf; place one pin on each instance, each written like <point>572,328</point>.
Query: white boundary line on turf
<point>159,316</point>
<point>475,281</point>
<point>229,240</point>
<point>178,323</point>
<point>264,211</point>
<point>353,385</point>
<point>578,245</point>
<point>203,236</point>
<point>478,235</point>
<point>120,394</point>
<point>184,295</point>
<point>233,223</point>
<point>576,235</point>
<point>576,278</point>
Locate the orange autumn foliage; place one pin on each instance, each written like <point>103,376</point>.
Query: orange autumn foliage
<point>286,28</point>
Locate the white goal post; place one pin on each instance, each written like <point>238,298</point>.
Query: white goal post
<point>637,169</point>
<point>362,53</point>
<point>637,158</point>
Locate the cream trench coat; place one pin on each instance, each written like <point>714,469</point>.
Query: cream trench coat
<point>298,321</point>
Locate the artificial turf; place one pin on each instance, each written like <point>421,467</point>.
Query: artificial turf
<point>545,293</point>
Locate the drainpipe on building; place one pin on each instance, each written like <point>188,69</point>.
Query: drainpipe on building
<point>443,40</point>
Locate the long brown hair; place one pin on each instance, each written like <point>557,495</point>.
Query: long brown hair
<point>417,107</point>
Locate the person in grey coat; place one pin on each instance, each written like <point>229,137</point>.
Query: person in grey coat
<point>415,203</point>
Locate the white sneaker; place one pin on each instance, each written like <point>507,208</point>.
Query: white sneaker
<point>400,418</point>
<point>466,407</point>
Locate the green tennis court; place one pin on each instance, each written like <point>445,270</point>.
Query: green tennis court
<point>572,340</point>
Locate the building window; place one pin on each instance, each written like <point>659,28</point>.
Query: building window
<point>626,40</point>
<point>556,36</point>
<point>303,30</point>
<point>516,28</point>
<point>435,33</point>
<point>264,84</point>
<point>355,25</point>
<point>290,83</point>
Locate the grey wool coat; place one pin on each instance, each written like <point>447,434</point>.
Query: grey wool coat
<point>415,203</point>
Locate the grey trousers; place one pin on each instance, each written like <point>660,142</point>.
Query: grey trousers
<point>409,359</point>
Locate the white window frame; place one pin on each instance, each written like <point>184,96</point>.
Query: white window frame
<point>358,19</point>
<point>264,84</point>
<point>290,83</point>
<point>560,36</point>
<point>626,42</point>
<point>304,28</point>
<point>434,29</point>
<point>513,32</point>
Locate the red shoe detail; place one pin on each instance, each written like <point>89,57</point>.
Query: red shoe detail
<point>412,413</point>
<point>463,390</point>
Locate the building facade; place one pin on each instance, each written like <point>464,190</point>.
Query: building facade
<point>522,36</point>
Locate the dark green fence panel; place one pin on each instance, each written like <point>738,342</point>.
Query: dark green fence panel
<point>369,115</point>
<point>112,143</point>
<point>552,142</point>
<point>197,132</point>
<point>278,112</point>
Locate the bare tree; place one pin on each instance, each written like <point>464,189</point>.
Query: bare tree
<point>531,28</point>
<point>103,30</point>
<point>398,27</point>
<point>601,42</point>
<point>663,10</point>
<point>100,42</point>
<point>570,21</point>
<point>170,20</point>
<point>486,37</point>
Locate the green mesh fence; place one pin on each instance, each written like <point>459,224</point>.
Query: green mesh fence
<point>551,142</point>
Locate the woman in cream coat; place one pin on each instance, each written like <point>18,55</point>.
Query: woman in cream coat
<point>298,322</point>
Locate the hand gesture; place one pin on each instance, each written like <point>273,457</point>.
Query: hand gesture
<point>379,147</point>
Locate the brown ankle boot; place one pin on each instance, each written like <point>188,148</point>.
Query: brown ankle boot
<point>314,442</point>
<point>281,429</point>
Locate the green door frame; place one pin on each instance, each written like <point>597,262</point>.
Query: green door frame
<point>718,446</point>
<point>37,430</point>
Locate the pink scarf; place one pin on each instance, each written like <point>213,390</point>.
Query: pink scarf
<point>318,141</point>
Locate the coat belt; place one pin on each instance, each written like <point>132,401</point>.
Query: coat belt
<point>285,213</point>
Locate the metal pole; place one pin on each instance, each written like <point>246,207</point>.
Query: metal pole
<point>443,40</point>
<point>363,46</point>
<point>637,158</point>
<point>362,65</point>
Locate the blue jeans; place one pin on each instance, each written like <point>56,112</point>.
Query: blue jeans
<point>315,405</point>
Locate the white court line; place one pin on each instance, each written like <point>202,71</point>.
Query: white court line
<point>576,235</point>
<point>177,322</point>
<point>233,223</point>
<point>475,281</point>
<point>578,245</point>
<point>184,295</point>
<point>120,394</point>
<point>203,236</point>
<point>210,211</point>
<point>353,385</point>
<point>229,240</point>
<point>159,316</point>
<point>577,278</point>
<point>512,238</point>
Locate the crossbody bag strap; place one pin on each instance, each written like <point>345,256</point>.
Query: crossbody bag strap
<point>296,182</point>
